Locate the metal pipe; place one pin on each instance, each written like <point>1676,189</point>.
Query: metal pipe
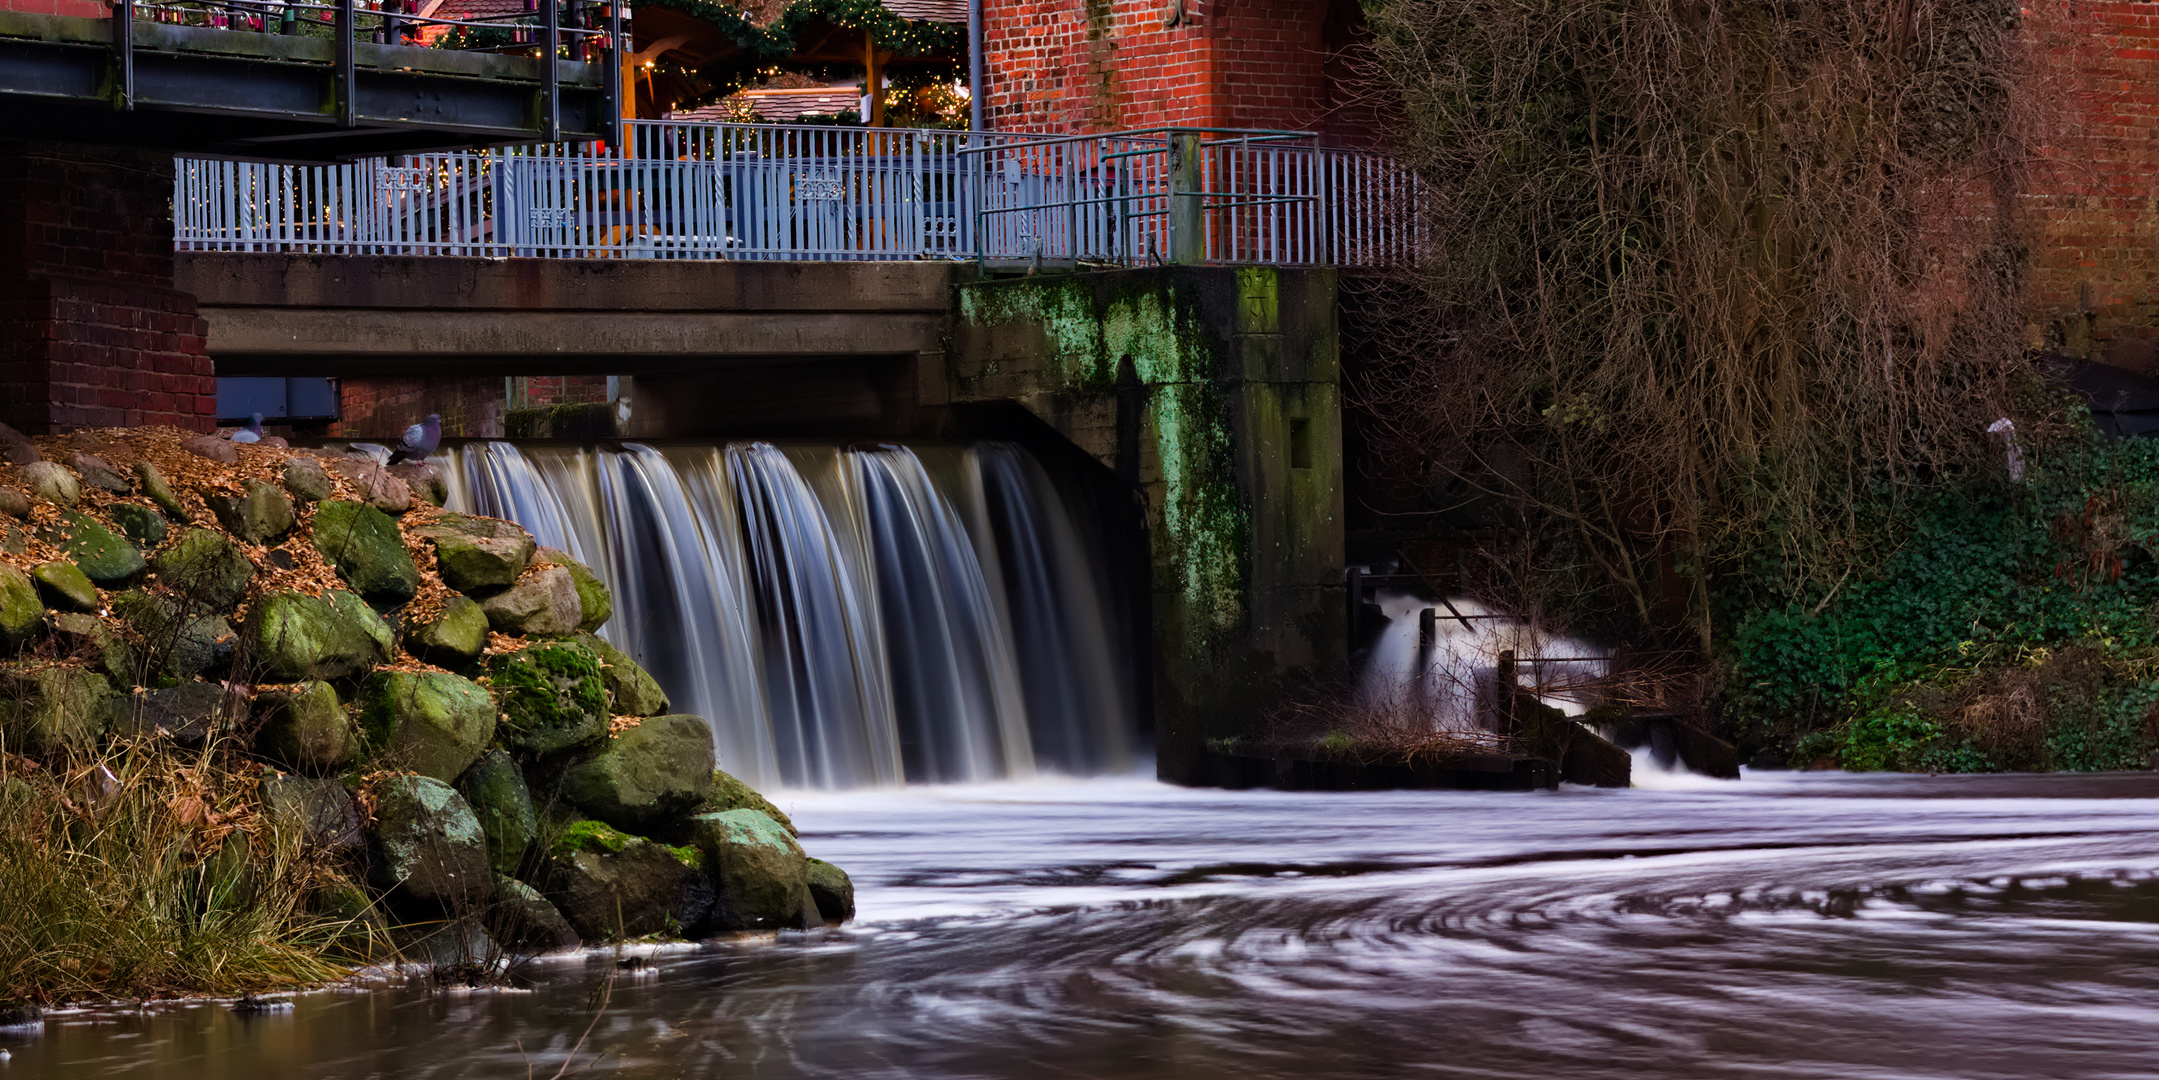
<point>974,66</point>
<point>348,109</point>
<point>614,76</point>
<point>551,74</point>
<point>123,44</point>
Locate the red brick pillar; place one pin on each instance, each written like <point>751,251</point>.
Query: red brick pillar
<point>92,333</point>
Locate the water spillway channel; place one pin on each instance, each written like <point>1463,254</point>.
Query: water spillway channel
<point>845,617</point>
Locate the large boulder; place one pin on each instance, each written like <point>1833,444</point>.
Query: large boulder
<point>186,714</point>
<point>16,447</point>
<point>832,891</point>
<point>474,554</point>
<point>427,844</point>
<point>294,636</point>
<point>21,612</point>
<point>305,728</point>
<point>145,528</point>
<point>212,448</point>
<point>730,793</point>
<point>368,551</point>
<point>634,691</point>
<point>104,556</point>
<point>376,486</point>
<point>319,809</point>
<point>760,872</point>
<point>645,776</point>
<point>53,708</point>
<point>423,480</point>
<point>260,515</point>
<point>611,885</point>
<point>64,586</point>
<point>50,481</point>
<point>434,724</point>
<point>523,919</point>
<point>304,479</point>
<point>175,641</point>
<point>99,473</point>
<point>595,604</point>
<point>543,602</point>
<point>13,503</point>
<point>205,566</point>
<point>551,695</point>
<point>452,637</point>
<point>160,492</point>
<point>497,793</point>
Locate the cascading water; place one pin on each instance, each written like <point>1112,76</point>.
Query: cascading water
<point>1441,667</point>
<point>844,617</point>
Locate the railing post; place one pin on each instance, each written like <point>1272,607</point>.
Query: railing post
<point>123,47</point>
<point>1187,214</point>
<point>613,124</point>
<point>348,109</point>
<point>551,74</point>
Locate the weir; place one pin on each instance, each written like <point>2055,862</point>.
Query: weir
<point>845,616</point>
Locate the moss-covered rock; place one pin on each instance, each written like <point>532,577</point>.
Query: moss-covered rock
<point>595,604</point>
<point>322,810</point>
<point>53,708</point>
<point>205,566</point>
<point>647,775</point>
<point>474,554</point>
<point>63,586</point>
<point>368,551</point>
<point>428,845</point>
<point>259,516</point>
<point>145,528</point>
<point>176,643</point>
<point>611,885</point>
<point>104,556</point>
<point>523,919</point>
<point>423,480</point>
<point>306,729</point>
<point>294,636</point>
<point>497,792</point>
<point>552,697</point>
<point>454,637</point>
<point>87,639</point>
<point>305,480</point>
<point>50,481</point>
<point>760,872</point>
<point>832,891</point>
<point>21,612</point>
<point>730,793</point>
<point>633,690</point>
<point>543,602</point>
<point>158,491</point>
<point>434,724</point>
<point>377,487</point>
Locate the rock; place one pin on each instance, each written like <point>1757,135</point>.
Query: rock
<point>174,642</point>
<point>63,586</point>
<point>611,885</point>
<point>47,480</point>
<point>497,793</point>
<point>53,708</point>
<point>186,714</point>
<point>368,550</point>
<point>322,810</point>
<point>305,479</point>
<point>428,845</point>
<point>20,1014</point>
<point>21,612</point>
<point>453,638</point>
<point>294,636</point>
<point>832,891</point>
<point>104,556</point>
<point>475,553</point>
<point>306,729</point>
<point>212,447</point>
<point>207,568</point>
<point>551,697</point>
<point>16,448</point>
<point>260,516</point>
<point>423,480</point>
<point>13,541</point>
<point>458,952</point>
<point>377,487</point>
<point>659,770</point>
<point>360,927</point>
<point>541,603</point>
<point>595,604</point>
<point>159,492</point>
<point>143,527</point>
<point>634,691</point>
<point>14,504</point>
<point>729,793</point>
<point>88,639</point>
<point>99,473</point>
<point>759,871</point>
<point>434,724</point>
<point>523,919</point>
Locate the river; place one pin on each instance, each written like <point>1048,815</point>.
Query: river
<point>1811,926</point>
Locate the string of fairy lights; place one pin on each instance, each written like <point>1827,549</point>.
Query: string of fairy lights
<point>765,46</point>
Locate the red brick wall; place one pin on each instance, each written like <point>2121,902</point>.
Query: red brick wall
<point>1101,65</point>
<point>92,332</point>
<point>383,408</point>
<point>545,390</point>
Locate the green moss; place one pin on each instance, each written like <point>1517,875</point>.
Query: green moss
<point>689,856</point>
<point>553,695</point>
<point>597,837</point>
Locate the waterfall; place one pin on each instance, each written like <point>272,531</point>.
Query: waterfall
<point>844,617</point>
<point>1446,677</point>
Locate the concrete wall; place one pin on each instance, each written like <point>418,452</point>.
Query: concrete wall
<point>1214,391</point>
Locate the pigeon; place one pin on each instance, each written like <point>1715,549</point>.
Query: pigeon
<point>252,432</point>
<point>420,440</point>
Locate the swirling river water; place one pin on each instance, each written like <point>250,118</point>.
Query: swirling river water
<point>1783,926</point>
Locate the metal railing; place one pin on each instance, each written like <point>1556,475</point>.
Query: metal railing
<point>766,191</point>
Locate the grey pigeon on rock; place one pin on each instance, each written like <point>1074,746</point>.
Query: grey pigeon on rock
<point>252,432</point>
<point>420,440</point>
